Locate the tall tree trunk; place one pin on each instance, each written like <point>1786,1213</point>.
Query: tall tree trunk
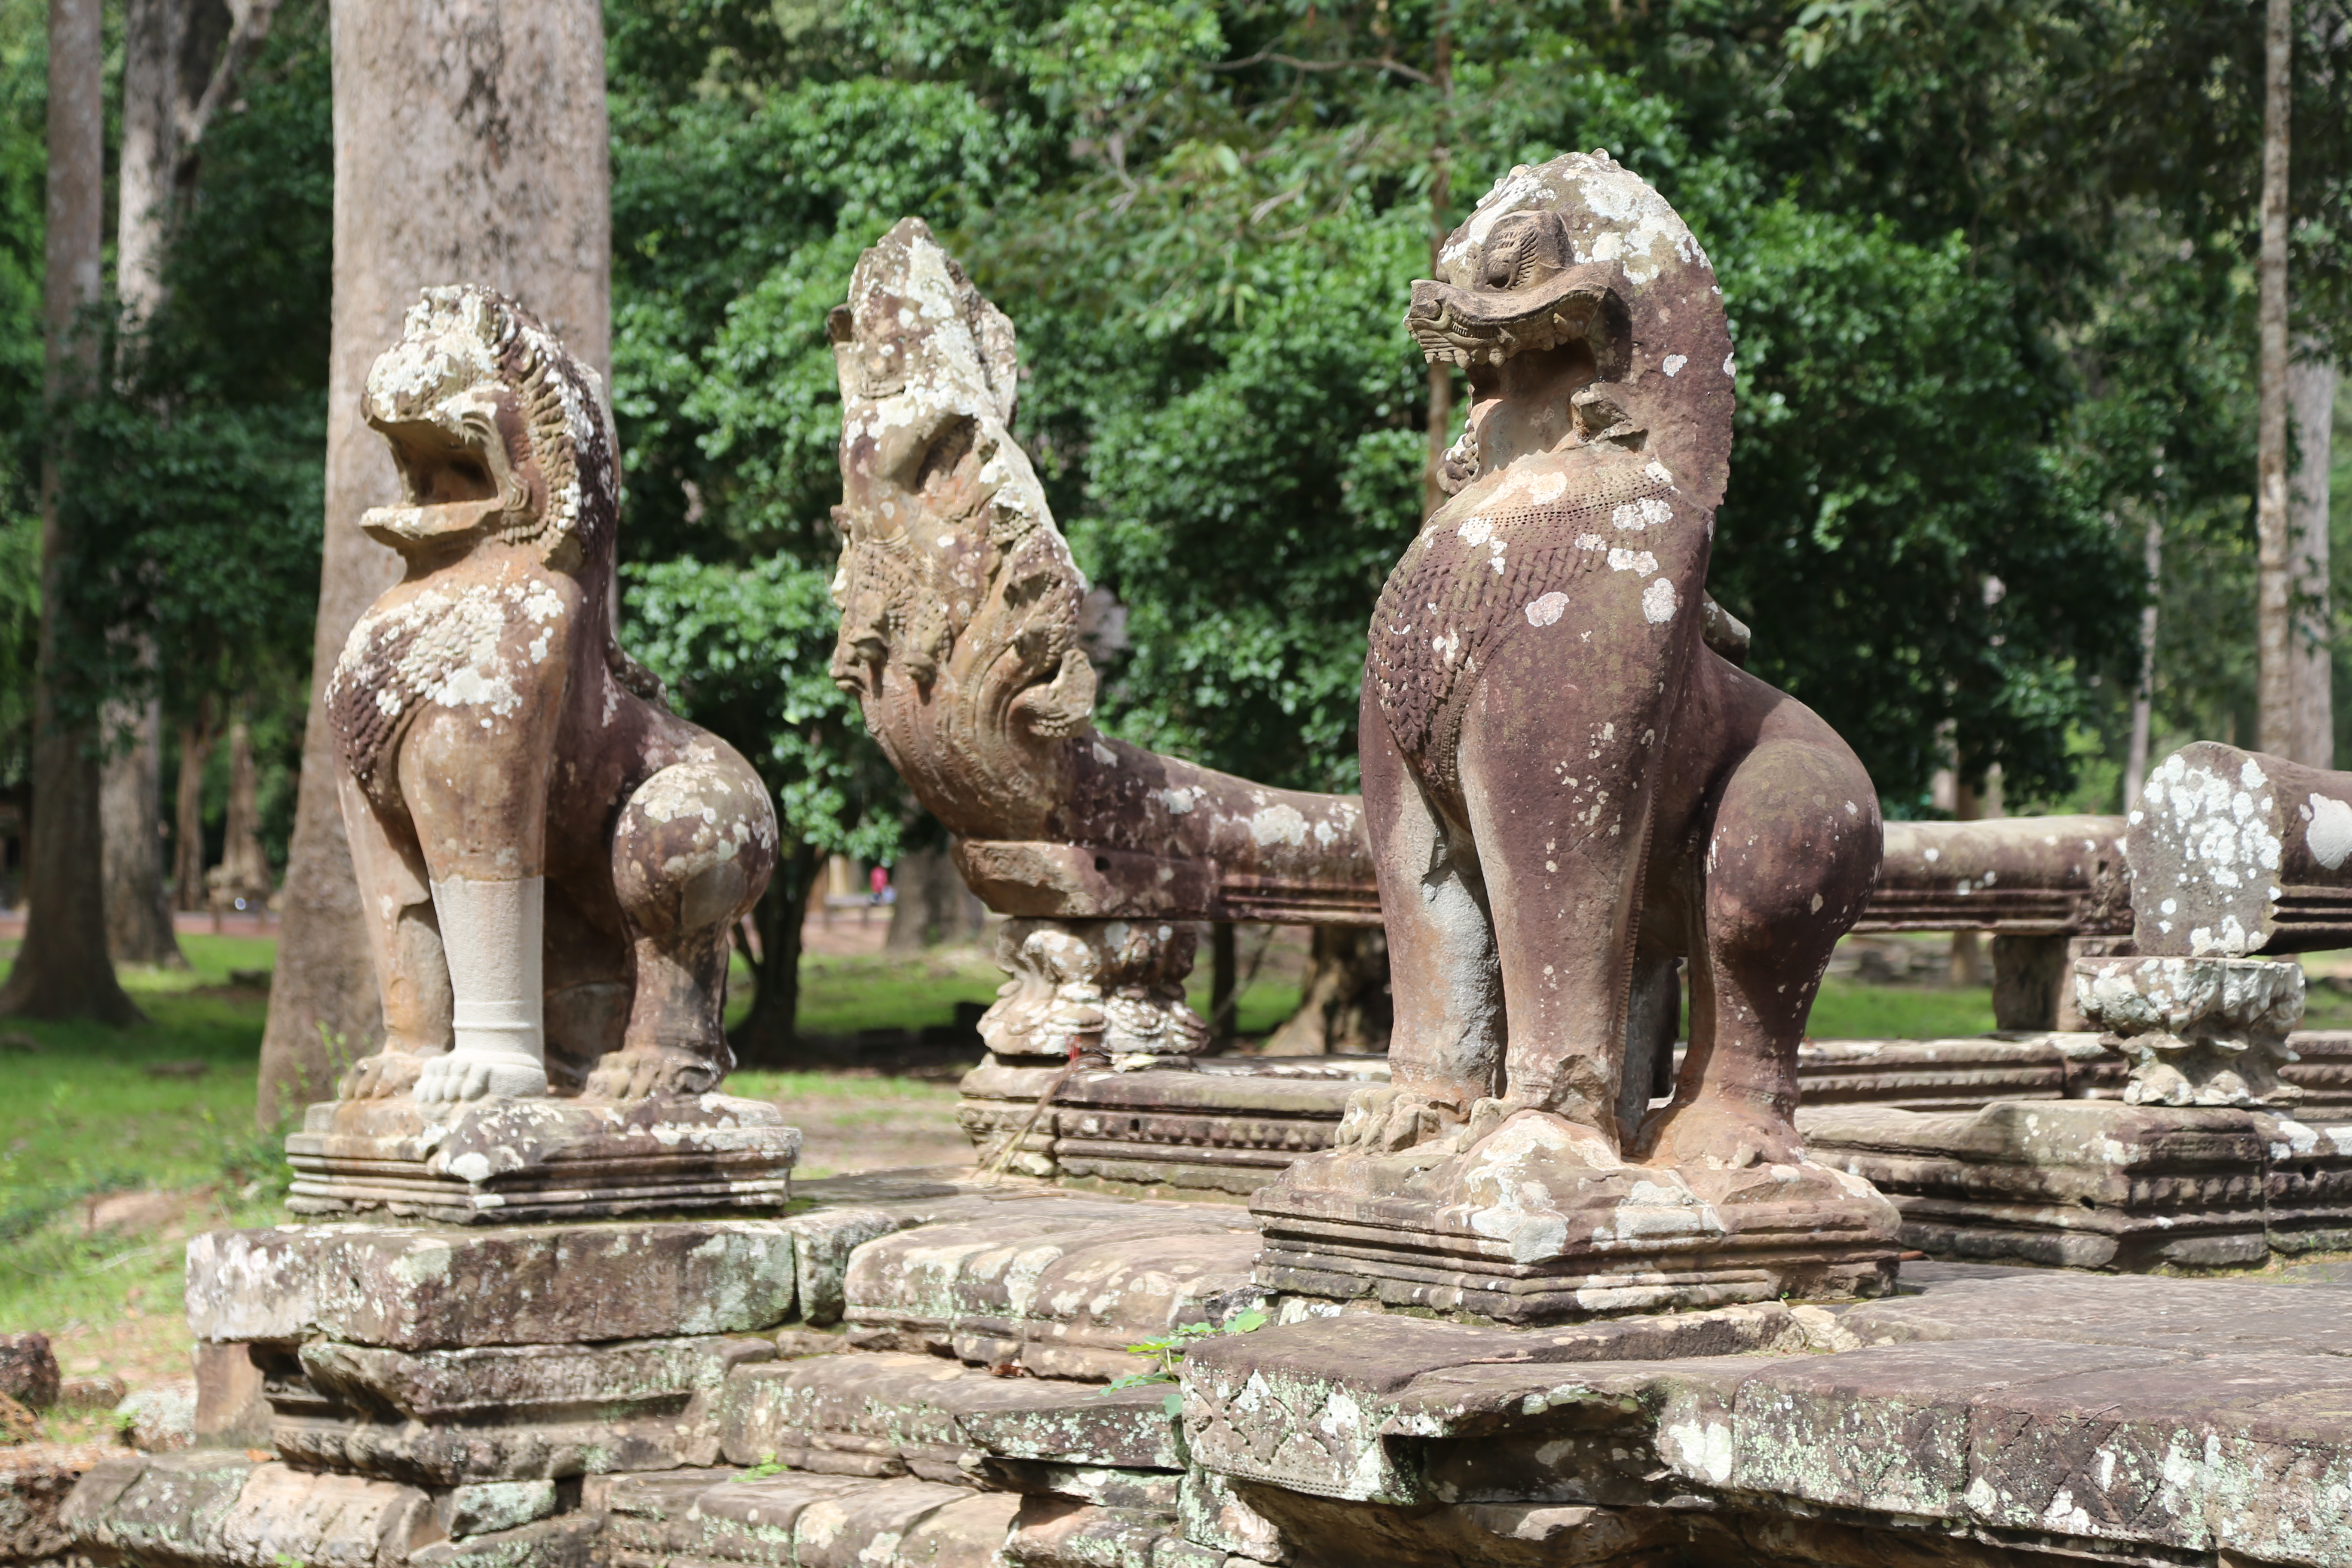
<point>770,1032</point>
<point>1968,965</point>
<point>131,822</point>
<point>2275,720</point>
<point>62,970</point>
<point>176,63</point>
<point>241,881</point>
<point>470,146</point>
<point>1441,193</point>
<point>932,905</point>
<point>188,815</point>
<point>2143,712</point>
<point>2311,404</point>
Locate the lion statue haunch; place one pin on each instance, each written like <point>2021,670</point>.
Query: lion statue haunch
<point>550,861</point>
<point>1567,789</point>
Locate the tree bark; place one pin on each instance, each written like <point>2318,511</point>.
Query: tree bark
<point>2311,404</point>
<point>770,1032</point>
<point>178,58</point>
<point>62,970</point>
<point>241,881</point>
<point>932,907</point>
<point>188,816</point>
<point>2275,729</point>
<point>2143,712</point>
<point>1344,1005</point>
<point>470,146</point>
<point>130,822</point>
<point>1440,188</point>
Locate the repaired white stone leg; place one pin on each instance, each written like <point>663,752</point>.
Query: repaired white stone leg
<point>2199,1031</point>
<point>493,935</point>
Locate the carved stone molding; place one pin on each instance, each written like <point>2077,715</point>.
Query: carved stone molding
<point>1105,988</point>
<point>2198,1031</point>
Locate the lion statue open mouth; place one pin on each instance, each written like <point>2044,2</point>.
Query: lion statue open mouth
<point>550,861</point>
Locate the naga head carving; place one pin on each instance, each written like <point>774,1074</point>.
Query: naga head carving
<point>1584,311</point>
<point>496,430</point>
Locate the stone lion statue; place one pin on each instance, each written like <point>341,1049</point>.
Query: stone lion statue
<point>550,861</point>
<point>1566,788</point>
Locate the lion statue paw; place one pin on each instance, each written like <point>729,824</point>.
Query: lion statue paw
<point>653,1072</point>
<point>389,1072</point>
<point>459,1075</point>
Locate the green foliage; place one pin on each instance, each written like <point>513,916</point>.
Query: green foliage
<point>1166,1352</point>
<point>745,650</point>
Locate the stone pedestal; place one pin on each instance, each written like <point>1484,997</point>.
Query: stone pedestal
<point>2198,1031</point>
<point>1538,1223</point>
<point>1101,988</point>
<point>504,1161</point>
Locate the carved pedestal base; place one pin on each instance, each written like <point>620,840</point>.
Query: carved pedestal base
<point>1536,1222</point>
<point>2098,1184</point>
<point>1109,988</point>
<point>2198,1031</point>
<point>515,1160</point>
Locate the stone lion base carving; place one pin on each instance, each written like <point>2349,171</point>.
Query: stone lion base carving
<point>515,1160</point>
<point>1539,1221</point>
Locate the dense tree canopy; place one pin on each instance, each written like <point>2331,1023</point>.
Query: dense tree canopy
<point>1986,264</point>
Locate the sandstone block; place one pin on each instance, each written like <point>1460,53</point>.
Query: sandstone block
<point>1889,1430</point>
<point>497,1382</point>
<point>457,1455</point>
<point>883,1414</point>
<point>222,1508</point>
<point>418,1290</point>
<point>1060,1291</point>
<point>485,1507</point>
<point>2199,1316</point>
<point>231,1411</point>
<point>36,1479</point>
<point>567,1542</point>
<point>792,1521</point>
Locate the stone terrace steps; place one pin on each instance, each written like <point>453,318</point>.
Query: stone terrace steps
<point>915,1373</point>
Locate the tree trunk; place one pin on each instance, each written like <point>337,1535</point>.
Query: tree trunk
<point>770,1032</point>
<point>1968,965</point>
<point>1344,1005</point>
<point>2274,721</point>
<point>188,818</point>
<point>1224,986</point>
<point>2143,712</point>
<point>241,881</point>
<point>171,57</point>
<point>1441,186</point>
<point>933,907</point>
<point>470,146</point>
<point>2311,404</point>
<point>131,818</point>
<point>62,970</point>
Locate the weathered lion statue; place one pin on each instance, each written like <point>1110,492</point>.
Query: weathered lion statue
<point>550,861</point>
<point>1564,784</point>
<point>1567,789</point>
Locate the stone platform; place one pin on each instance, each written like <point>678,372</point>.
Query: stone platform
<point>914,1370</point>
<point>503,1160</point>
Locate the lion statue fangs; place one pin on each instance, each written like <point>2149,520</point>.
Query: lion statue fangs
<point>550,861</point>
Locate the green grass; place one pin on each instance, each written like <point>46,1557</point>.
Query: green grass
<point>1848,1010</point>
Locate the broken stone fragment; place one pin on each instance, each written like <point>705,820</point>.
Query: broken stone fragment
<point>2198,1031</point>
<point>28,1371</point>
